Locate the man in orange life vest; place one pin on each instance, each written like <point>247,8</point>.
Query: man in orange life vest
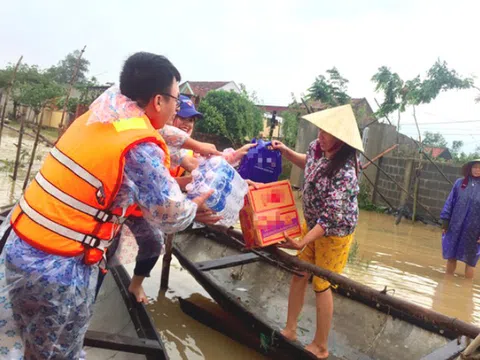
<point>110,164</point>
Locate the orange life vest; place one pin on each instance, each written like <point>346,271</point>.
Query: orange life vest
<point>178,170</point>
<point>66,210</point>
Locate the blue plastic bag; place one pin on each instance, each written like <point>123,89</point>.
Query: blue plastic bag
<point>262,163</point>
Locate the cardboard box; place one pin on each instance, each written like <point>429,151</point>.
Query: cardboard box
<point>268,212</point>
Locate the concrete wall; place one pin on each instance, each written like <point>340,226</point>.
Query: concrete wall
<point>52,118</point>
<point>379,137</point>
<point>376,138</point>
<point>307,132</point>
<point>433,188</point>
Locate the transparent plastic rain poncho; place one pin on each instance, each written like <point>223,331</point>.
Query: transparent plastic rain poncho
<point>46,301</point>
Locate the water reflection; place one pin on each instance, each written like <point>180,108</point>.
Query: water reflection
<point>184,337</point>
<point>407,257</point>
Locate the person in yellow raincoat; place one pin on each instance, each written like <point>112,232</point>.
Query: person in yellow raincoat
<point>331,212</point>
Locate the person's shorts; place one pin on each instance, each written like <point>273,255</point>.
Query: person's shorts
<point>329,253</point>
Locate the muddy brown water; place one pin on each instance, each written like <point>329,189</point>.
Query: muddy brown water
<point>406,258</point>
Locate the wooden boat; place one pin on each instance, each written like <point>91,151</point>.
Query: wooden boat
<point>120,328</point>
<point>367,324</point>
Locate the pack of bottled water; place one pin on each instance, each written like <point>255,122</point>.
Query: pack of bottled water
<point>229,188</point>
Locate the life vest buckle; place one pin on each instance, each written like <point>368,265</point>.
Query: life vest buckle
<point>91,241</point>
<point>100,194</point>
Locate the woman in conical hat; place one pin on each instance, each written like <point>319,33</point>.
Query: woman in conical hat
<point>331,212</point>
<point>461,225</point>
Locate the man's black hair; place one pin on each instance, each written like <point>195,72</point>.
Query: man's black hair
<point>145,75</point>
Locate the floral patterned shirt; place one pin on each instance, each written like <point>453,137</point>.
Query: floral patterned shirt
<point>331,203</point>
<point>148,183</point>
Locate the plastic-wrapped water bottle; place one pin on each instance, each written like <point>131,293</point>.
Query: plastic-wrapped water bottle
<point>229,188</point>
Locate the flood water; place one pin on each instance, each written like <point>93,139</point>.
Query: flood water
<point>406,258</point>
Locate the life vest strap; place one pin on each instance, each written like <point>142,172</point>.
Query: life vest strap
<point>86,239</point>
<point>80,172</point>
<point>98,214</point>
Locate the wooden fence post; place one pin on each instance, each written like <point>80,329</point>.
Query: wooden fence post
<point>19,148</point>
<point>167,259</point>
<point>35,144</point>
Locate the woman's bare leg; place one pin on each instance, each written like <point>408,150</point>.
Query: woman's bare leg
<point>296,298</point>
<point>319,346</point>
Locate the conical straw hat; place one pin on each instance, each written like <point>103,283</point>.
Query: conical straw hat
<point>339,122</point>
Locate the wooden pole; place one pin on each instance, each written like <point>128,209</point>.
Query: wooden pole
<point>35,144</point>
<point>402,188</point>
<point>72,81</point>
<point>378,192</point>
<point>415,195</point>
<point>383,153</point>
<point>167,259</point>
<point>419,145</point>
<point>9,88</point>
<point>386,117</point>
<point>419,168</point>
<point>19,148</point>
<point>43,138</point>
<point>309,110</point>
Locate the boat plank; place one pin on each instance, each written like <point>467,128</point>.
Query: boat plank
<point>103,340</point>
<point>227,261</point>
<point>213,316</point>
<point>449,351</point>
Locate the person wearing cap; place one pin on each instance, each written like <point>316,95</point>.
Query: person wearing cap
<point>183,156</point>
<point>185,120</point>
<point>182,148</point>
<point>331,212</point>
<point>460,221</point>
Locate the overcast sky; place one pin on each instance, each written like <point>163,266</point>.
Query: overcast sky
<point>274,47</point>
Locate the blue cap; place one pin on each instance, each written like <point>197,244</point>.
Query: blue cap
<point>187,109</point>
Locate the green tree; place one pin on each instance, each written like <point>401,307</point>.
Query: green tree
<point>38,95</point>
<point>399,94</point>
<point>434,139</point>
<point>231,115</point>
<point>331,91</point>
<point>62,73</point>
<point>28,76</point>
<point>457,146</point>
